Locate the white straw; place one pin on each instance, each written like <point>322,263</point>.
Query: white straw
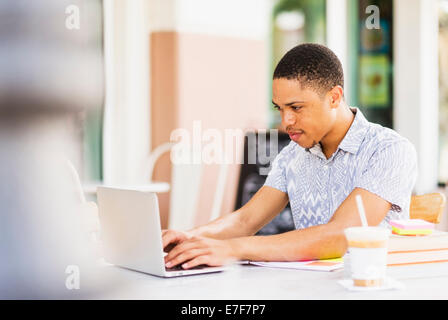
<point>362,213</point>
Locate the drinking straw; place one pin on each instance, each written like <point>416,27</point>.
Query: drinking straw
<point>362,213</point>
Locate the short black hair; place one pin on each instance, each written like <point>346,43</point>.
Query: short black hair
<point>313,65</point>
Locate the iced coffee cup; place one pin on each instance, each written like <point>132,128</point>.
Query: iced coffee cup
<point>367,248</point>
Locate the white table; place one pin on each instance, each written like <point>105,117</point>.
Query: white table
<point>257,283</point>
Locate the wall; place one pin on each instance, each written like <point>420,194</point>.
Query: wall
<point>208,63</point>
<point>416,86</point>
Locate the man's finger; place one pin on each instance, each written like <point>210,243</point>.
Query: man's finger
<point>169,237</point>
<point>178,249</point>
<point>186,256</point>
<point>169,247</point>
<point>203,259</point>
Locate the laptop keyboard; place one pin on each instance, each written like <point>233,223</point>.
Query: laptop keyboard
<point>179,268</point>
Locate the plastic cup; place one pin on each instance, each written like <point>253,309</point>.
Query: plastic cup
<point>368,255</point>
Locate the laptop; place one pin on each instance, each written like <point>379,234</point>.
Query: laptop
<point>131,233</point>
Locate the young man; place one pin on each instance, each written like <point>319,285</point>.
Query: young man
<point>335,154</point>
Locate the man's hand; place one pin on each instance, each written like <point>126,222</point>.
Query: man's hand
<point>170,238</point>
<point>199,250</point>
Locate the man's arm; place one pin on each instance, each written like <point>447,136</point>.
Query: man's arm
<point>246,221</point>
<point>318,242</point>
<point>254,215</point>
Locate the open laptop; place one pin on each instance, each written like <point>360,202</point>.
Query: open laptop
<point>131,233</point>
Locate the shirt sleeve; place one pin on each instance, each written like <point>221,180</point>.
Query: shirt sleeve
<point>391,174</point>
<point>277,176</point>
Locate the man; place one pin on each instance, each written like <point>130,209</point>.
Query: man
<point>335,154</point>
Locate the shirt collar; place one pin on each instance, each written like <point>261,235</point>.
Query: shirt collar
<point>353,138</point>
<point>355,135</point>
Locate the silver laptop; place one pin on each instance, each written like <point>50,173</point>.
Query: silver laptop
<point>131,233</point>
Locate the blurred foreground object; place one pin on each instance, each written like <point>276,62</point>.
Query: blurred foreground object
<point>49,73</point>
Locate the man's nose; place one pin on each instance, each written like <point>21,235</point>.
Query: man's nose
<point>289,118</point>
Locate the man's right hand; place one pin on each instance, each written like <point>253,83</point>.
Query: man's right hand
<point>170,238</point>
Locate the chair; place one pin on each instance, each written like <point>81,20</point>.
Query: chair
<point>87,209</point>
<point>428,207</point>
<point>185,189</point>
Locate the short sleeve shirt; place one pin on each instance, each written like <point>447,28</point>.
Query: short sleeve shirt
<point>370,157</point>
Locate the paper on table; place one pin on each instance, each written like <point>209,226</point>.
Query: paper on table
<point>314,265</point>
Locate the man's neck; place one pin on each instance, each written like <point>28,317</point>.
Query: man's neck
<point>331,141</point>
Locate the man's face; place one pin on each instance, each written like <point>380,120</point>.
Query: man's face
<point>306,116</point>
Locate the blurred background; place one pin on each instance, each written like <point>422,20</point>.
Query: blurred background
<point>92,90</point>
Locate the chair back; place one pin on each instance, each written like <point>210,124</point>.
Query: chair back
<point>186,179</point>
<point>428,207</point>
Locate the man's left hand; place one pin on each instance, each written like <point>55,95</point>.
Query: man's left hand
<point>199,250</point>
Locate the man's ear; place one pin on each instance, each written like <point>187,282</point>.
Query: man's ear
<point>336,95</point>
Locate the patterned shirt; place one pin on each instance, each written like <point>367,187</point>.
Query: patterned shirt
<point>370,157</point>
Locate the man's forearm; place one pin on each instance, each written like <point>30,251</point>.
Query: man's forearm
<point>229,226</point>
<point>246,221</point>
<point>318,242</point>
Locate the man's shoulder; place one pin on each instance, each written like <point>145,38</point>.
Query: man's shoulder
<point>379,138</point>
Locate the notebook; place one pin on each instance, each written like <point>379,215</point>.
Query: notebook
<point>313,265</point>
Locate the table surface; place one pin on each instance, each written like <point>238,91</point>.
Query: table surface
<point>246,282</point>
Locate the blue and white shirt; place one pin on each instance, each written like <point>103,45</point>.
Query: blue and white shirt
<point>370,157</point>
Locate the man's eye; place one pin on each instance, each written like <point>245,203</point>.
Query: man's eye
<point>296,108</point>
<point>276,107</point>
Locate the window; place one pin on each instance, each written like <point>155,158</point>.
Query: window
<point>371,58</point>
<point>92,144</point>
<point>295,22</point>
<point>91,120</point>
<point>443,91</point>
